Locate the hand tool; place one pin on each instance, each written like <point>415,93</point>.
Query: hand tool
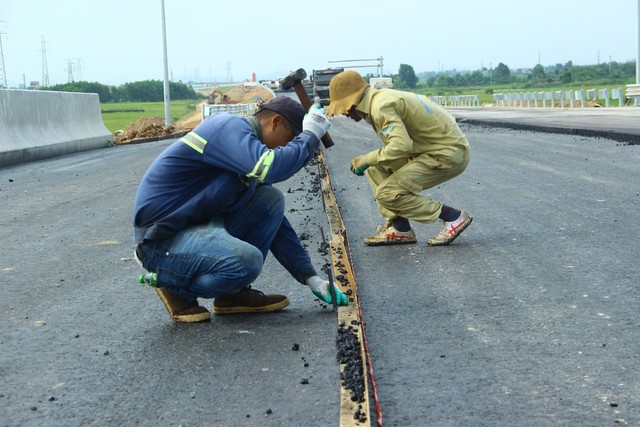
<point>294,80</point>
<point>332,290</point>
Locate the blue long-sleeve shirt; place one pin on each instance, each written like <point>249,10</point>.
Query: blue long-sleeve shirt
<point>212,170</point>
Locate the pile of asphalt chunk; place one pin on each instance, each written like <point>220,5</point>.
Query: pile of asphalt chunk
<point>349,355</point>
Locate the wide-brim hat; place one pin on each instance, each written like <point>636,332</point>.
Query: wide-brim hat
<point>288,108</point>
<point>345,91</point>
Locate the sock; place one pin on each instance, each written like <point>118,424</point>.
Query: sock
<point>449,214</point>
<point>401,224</point>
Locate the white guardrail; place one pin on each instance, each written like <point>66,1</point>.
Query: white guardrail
<point>237,109</point>
<point>564,98</point>
<point>551,99</point>
<point>456,100</point>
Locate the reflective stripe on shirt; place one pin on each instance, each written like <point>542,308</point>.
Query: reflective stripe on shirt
<point>194,141</point>
<point>262,167</point>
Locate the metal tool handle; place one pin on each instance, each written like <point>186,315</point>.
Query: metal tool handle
<point>332,290</point>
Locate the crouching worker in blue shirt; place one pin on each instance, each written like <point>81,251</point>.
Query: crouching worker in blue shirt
<point>205,216</point>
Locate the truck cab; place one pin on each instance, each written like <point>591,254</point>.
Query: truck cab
<point>321,79</point>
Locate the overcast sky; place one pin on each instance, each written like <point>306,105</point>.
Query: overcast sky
<point>119,41</point>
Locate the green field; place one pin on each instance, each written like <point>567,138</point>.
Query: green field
<point>117,115</point>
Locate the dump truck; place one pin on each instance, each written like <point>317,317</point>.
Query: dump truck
<point>321,79</point>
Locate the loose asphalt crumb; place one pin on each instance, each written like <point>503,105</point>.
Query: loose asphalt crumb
<point>349,355</point>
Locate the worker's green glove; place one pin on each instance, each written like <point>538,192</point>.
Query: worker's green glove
<point>360,171</point>
<point>320,288</point>
<point>358,166</point>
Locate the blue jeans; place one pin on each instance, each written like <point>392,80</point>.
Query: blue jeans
<point>227,254</point>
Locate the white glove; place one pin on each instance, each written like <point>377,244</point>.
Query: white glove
<point>320,288</point>
<point>316,121</point>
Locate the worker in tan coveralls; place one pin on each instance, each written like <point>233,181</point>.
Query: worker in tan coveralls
<point>422,147</point>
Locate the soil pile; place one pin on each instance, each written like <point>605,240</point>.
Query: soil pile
<point>144,129</point>
<point>242,94</point>
<point>152,128</point>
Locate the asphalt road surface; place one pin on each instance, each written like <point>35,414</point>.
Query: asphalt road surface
<point>529,318</point>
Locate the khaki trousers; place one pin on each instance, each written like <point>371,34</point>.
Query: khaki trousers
<point>397,185</point>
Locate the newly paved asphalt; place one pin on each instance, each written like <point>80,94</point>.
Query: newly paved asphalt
<point>529,318</point>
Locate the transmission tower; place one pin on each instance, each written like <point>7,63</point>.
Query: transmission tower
<point>70,67</point>
<point>229,76</point>
<point>45,67</point>
<point>3,72</point>
<point>79,66</point>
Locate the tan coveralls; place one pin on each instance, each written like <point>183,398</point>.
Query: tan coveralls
<point>423,147</point>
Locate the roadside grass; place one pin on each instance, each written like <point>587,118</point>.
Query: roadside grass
<point>117,115</point>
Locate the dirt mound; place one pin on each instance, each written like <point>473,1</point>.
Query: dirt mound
<point>242,94</point>
<point>146,127</point>
<point>149,128</point>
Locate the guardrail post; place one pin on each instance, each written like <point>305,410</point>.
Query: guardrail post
<point>559,95</point>
<point>570,96</point>
<point>617,94</point>
<point>604,94</point>
<point>580,97</point>
<point>549,96</point>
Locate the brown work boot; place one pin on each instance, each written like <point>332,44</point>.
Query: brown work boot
<point>450,230</point>
<point>390,236</point>
<point>248,300</point>
<point>182,310</point>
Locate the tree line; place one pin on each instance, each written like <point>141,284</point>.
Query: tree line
<point>142,91</point>
<point>406,78</point>
<point>554,75</point>
<point>539,75</point>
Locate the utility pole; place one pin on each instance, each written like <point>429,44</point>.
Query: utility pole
<point>3,72</point>
<point>638,56</point>
<point>638,52</point>
<point>167,97</point>
<point>45,67</point>
<point>490,73</point>
<point>229,75</point>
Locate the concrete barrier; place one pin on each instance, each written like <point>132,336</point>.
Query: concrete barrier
<point>36,125</point>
